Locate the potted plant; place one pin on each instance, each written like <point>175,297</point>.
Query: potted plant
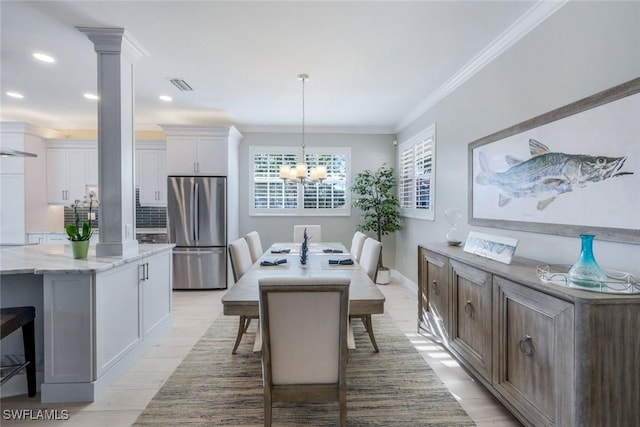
<point>380,207</point>
<point>78,235</point>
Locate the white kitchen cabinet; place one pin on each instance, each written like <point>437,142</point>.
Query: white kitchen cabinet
<point>200,150</point>
<point>92,167</point>
<point>197,155</point>
<point>12,200</point>
<point>66,175</point>
<point>152,177</point>
<point>97,324</point>
<point>155,280</point>
<point>55,239</point>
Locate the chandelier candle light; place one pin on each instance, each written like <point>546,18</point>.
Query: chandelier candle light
<point>298,173</point>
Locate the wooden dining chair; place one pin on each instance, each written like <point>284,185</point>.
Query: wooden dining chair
<point>304,340</point>
<point>240,263</point>
<point>313,231</point>
<point>255,245</point>
<point>356,245</point>
<point>369,260</point>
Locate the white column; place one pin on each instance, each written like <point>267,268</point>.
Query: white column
<point>117,51</point>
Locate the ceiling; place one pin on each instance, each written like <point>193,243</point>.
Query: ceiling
<point>372,63</point>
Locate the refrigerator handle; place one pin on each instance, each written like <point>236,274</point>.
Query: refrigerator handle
<point>196,223</point>
<point>192,211</point>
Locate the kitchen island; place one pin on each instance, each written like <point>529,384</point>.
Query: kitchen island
<point>94,317</point>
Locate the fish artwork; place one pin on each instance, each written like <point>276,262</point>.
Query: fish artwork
<point>546,175</point>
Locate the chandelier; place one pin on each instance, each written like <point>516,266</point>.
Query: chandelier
<point>298,173</point>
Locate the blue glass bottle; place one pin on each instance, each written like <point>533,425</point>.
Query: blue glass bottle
<point>586,272</point>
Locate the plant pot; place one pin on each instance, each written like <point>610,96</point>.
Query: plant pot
<point>383,276</point>
<point>79,248</point>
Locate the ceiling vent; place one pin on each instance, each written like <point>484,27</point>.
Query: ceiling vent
<point>181,85</point>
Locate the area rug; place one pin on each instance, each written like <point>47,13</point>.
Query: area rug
<point>395,387</point>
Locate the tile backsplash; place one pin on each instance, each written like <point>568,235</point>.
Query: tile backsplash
<point>146,216</point>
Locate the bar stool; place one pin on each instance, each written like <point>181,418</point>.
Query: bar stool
<point>13,318</point>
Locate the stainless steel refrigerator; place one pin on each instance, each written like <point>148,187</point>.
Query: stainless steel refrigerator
<point>197,224</point>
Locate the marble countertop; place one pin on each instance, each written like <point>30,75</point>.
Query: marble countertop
<point>57,259</point>
<point>96,231</point>
<point>150,230</point>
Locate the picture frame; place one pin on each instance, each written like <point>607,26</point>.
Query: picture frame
<point>571,171</point>
<point>497,248</point>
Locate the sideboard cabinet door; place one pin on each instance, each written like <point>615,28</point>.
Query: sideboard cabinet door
<point>534,342</point>
<point>434,290</point>
<point>471,316</point>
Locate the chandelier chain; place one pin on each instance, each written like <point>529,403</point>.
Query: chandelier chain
<point>303,144</point>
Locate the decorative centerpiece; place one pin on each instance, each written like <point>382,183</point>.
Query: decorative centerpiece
<point>304,249</point>
<point>78,235</point>
<point>453,216</point>
<point>586,271</point>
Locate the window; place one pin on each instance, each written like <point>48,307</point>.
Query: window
<point>416,175</point>
<point>270,195</point>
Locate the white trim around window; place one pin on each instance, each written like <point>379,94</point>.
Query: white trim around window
<point>417,175</point>
<point>270,195</point>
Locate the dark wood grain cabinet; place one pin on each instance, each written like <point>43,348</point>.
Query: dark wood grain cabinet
<point>554,356</point>
<point>433,293</point>
<point>471,316</point>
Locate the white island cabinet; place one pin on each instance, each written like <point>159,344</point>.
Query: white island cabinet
<point>94,317</point>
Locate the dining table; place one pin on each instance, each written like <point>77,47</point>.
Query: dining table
<point>324,259</point>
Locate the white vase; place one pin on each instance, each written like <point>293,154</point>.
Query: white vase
<point>383,276</point>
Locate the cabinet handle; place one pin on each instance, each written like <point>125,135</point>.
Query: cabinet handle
<point>468,308</point>
<point>145,271</point>
<point>436,289</point>
<point>526,346</point>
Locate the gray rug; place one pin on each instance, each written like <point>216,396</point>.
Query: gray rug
<point>395,387</point>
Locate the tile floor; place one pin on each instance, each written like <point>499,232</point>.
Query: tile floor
<point>194,311</point>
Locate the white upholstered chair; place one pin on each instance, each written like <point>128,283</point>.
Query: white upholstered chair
<point>304,340</point>
<point>369,259</point>
<point>313,231</point>
<point>356,245</point>
<point>240,263</point>
<point>255,245</point>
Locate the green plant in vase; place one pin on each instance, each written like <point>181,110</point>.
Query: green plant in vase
<point>80,234</point>
<point>380,206</point>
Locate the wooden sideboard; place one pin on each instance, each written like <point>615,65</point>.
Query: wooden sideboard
<point>552,355</point>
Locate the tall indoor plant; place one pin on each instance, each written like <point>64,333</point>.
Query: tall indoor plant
<point>380,206</point>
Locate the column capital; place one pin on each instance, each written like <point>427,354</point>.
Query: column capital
<point>114,40</point>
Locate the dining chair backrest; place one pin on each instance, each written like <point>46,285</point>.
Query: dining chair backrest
<point>356,244</point>
<point>313,231</point>
<point>304,340</point>
<point>240,258</point>
<point>370,257</point>
<point>255,245</point>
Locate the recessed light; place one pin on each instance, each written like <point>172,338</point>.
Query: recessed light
<point>91,96</point>
<point>43,57</point>
<point>165,98</point>
<point>15,95</point>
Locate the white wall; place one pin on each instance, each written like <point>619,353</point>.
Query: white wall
<point>367,152</point>
<point>584,48</point>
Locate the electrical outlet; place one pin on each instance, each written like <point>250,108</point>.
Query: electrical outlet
<point>91,216</point>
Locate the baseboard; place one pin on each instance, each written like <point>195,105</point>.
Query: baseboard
<point>405,281</point>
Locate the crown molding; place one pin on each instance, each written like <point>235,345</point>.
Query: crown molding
<point>364,130</point>
<point>8,127</point>
<point>533,17</point>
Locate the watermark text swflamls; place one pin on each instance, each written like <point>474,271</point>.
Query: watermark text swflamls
<point>35,414</point>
